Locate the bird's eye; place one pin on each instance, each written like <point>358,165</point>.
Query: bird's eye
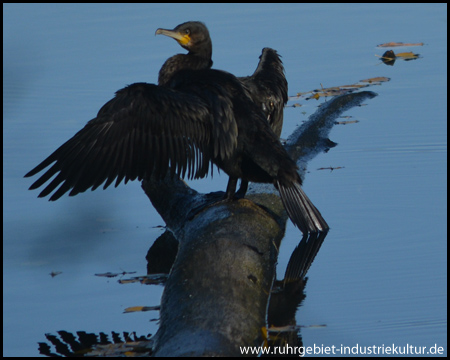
<point>187,31</point>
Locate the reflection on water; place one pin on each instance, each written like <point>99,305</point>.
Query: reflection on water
<point>386,207</point>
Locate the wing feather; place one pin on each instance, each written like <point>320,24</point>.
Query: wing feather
<point>268,88</point>
<point>142,131</point>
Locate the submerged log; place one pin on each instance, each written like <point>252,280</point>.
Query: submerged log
<point>216,297</point>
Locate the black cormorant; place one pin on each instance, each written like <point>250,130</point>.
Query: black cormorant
<point>194,117</point>
<point>268,89</point>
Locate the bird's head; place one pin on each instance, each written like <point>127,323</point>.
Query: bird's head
<point>191,35</point>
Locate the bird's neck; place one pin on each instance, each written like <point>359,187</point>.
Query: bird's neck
<point>182,62</point>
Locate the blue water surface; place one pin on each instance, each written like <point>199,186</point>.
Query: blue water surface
<point>380,277</point>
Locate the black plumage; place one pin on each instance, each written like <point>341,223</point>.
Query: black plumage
<point>195,117</point>
<point>268,88</point>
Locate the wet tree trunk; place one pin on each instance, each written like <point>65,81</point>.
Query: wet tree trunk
<point>216,297</point>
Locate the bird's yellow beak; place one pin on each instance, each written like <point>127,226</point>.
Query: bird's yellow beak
<point>182,39</point>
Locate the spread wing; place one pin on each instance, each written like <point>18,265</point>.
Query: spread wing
<point>144,130</point>
<point>268,88</point>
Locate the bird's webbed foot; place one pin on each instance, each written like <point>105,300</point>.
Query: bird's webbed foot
<point>231,193</point>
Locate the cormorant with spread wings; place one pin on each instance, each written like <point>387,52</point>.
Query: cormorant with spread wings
<point>195,117</point>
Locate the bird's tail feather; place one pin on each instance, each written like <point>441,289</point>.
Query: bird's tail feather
<point>300,209</point>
